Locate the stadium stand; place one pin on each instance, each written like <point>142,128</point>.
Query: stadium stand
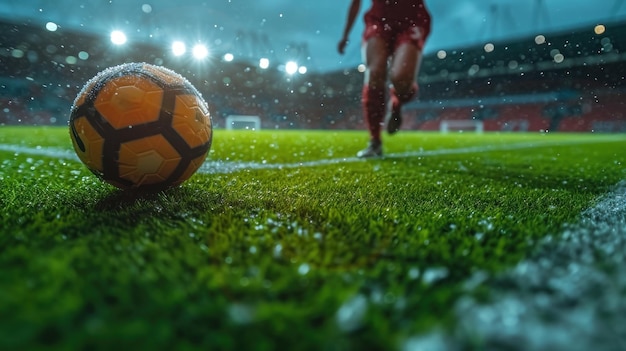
<point>522,85</point>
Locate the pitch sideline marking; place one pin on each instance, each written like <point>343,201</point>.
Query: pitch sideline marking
<point>226,167</point>
<point>220,167</point>
<point>570,288</point>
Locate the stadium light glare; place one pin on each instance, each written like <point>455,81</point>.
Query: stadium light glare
<point>51,26</point>
<point>200,51</point>
<point>264,63</point>
<point>291,67</point>
<point>559,58</point>
<point>178,48</point>
<point>540,39</point>
<point>302,69</point>
<point>118,37</point>
<point>599,29</point>
<point>228,57</point>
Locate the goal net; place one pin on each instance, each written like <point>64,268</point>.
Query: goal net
<point>461,126</point>
<point>243,122</point>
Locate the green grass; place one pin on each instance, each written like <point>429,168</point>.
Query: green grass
<point>266,258</point>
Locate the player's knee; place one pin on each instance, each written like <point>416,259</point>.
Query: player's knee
<point>405,90</point>
<point>402,85</point>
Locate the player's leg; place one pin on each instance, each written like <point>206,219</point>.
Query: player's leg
<point>375,52</point>
<point>374,87</point>
<point>403,72</point>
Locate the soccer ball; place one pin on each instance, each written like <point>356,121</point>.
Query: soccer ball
<point>140,126</point>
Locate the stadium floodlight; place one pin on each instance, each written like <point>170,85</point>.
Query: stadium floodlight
<point>291,67</point>
<point>599,29</point>
<point>118,37</point>
<point>200,51</point>
<point>264,63</point>
<point>228,57</point>
<point>302,69</point>
<point>178,48</point>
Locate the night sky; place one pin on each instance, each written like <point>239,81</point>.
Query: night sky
<point>292,29</point>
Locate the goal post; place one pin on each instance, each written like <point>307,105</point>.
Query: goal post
<point>461,125</point>
<point>247,122</point>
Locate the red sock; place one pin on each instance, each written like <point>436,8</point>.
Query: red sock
<point>373,101</point>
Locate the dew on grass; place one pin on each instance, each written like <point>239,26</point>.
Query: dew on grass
<point>570,288</point>
<point>351,314</point>
<point>303,269</point>
<point>253,271</point>
<point>240,313</point>
<point>278,251</point>
<point>486,223</point>
<point>432,275</point>
<point>376,296</point>
<point>414,273</point>
<point>477,278</point>
<point>433,341</point>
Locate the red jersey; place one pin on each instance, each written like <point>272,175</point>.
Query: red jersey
<point>400,14</point>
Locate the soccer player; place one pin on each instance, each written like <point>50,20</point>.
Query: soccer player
<point>393,40</point>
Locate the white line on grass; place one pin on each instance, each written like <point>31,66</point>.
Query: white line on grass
<point>225,167</point>
<point>40,151</point>
<point>567,296</point>
<point>230,167</point>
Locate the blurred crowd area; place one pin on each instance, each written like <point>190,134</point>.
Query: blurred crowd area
<point>571,81</point>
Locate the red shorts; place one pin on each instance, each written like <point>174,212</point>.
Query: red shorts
<point>394,37</point>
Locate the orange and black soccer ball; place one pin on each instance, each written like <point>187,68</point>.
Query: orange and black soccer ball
<point>140,126</point>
